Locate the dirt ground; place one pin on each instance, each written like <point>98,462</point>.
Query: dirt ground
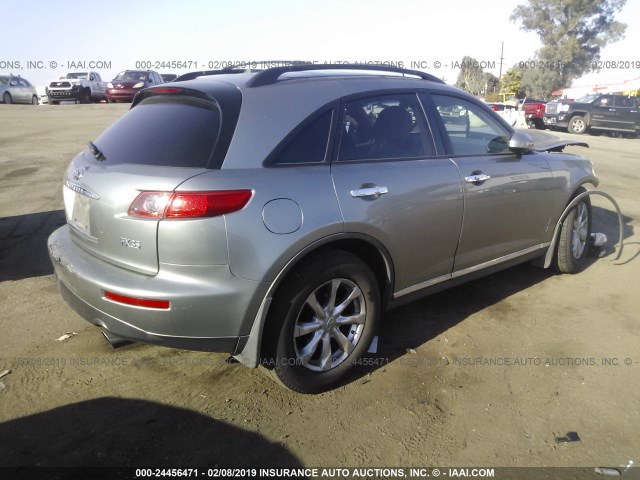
<point>486,374</point>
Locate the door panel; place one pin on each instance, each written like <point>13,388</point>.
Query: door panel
<point>507,197</point>
<point>603,113</point>
<point>418,220</point>
<point>392,187</point>
<point>626,112</point>
<point>506,213</point>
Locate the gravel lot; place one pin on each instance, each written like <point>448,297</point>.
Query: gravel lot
<point>486,374</point>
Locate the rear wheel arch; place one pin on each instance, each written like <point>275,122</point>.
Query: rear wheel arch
<point>366,248</point>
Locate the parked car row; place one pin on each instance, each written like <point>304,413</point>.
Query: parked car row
<point>83,87</point>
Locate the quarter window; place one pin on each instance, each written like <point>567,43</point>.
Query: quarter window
<point>309,144</point>
<point>470,128</point>
<point>384,127</point>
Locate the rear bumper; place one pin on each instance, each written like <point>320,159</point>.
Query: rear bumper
<point>210,309</point>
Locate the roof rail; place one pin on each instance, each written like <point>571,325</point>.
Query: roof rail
<point>240,67</point>
<point>202,73</point>
<point>271,75</point>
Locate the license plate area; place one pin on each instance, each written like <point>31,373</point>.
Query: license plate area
<point>78,210</point>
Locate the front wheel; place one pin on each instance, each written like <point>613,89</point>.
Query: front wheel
<point>34,100</point>
<point>326,313</point>
<point>575,238</point>
<point>577,125</point>
<point>6,98</point>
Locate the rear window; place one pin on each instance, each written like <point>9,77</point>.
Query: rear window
<point>164,131</point>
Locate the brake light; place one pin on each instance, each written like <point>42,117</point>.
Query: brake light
<point>137,302</point>
<point>495,108</point>
<point>188,204</point>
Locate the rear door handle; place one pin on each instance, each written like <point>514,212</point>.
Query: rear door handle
<point>369,192</point>
<point>479,178</point>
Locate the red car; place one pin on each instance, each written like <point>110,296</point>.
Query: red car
<point>128,83</point>
<point>534,113</point>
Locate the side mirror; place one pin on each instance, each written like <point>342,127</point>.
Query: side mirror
<point>521,143</point>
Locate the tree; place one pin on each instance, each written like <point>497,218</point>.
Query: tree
<point>471,77</point>
<point>540,82</point>
<point>572,32</point>
<point>511,81</point>
<point>491,82</point>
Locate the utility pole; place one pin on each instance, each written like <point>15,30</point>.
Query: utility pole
<point>501,59</point>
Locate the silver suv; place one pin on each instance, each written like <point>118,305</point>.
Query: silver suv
<point>275,215</point>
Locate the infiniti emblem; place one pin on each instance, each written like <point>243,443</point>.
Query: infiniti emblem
<point>77,175</point>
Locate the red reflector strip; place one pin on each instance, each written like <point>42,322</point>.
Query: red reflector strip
<point>165,90</point>
<point>138,302</point>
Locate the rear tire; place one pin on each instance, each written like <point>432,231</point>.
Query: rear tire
<point>575,238</point>
<point>322,321</point>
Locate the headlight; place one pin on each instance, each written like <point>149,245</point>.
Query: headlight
<point>109,85</point>
<point>563,108</point>
<point>139,85</point>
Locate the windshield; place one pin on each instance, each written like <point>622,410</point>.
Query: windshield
<point>131,76</point>
<point>79,76</point>
<point>587,98</point>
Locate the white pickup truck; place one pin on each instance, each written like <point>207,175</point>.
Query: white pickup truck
<point>84,87</point>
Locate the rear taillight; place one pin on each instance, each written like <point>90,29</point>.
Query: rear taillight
<point>495,108</point>
<point>137,302</point>
<point>188,204</point>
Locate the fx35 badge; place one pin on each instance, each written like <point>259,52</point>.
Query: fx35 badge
<point>127,242</point>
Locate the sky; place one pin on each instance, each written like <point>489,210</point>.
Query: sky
<point>206,34</point>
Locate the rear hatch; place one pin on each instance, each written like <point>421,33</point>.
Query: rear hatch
<point>164,140</point>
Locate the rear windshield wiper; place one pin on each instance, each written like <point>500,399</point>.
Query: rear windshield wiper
<point>96,152</point>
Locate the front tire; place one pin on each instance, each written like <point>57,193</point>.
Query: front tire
<point>324,317</point>
<point>575,238</point>
<point>34,100</point>
<point>577,125</point>
<point>6,98</point>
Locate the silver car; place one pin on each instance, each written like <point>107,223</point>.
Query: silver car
<point>276,215</point>
<point>15,89</point>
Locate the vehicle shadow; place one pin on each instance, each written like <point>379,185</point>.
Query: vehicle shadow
<point>23,244</point>
<point>414,324</point>
<point>119,432</point>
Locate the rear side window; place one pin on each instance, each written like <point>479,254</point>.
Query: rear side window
<point>384,127</point>
<point>308,144</point>
<point>163,131</point>
<point>625,102</point>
